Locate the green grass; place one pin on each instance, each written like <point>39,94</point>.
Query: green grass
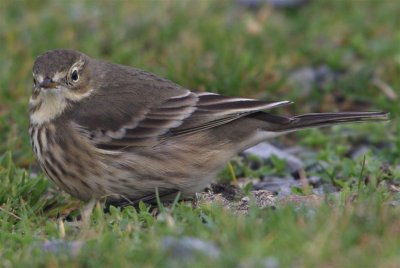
<point>215,46</point>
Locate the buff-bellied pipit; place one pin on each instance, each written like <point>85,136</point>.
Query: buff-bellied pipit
<point>105,130</point>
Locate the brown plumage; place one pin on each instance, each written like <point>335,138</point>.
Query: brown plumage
<point>102,130</point>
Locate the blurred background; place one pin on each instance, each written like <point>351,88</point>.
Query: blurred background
<point>324,55</point>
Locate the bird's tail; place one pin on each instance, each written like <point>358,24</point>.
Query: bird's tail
<point>319,120</point>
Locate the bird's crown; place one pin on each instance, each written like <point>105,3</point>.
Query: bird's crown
<point>58,60</point>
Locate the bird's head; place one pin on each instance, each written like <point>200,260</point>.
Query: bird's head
<point>61,77</point>
<point>61,71</point>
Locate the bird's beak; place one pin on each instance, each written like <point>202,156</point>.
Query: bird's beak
<point>48,83</point>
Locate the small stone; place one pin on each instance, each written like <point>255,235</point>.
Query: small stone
<point>359,151</point>
<point>71,248</point>
<point>307,78</point>
<point>394,203</point>
<point>270,262</point>
<point>245,199</point>
<point>188,247</point>
<point>266,150</point>
<point>286,3</point>
<point>256,4</point>
<point>303,80</point>
<point>277,184</point>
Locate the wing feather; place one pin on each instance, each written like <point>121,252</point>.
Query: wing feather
<point>214,110</point>
<point>146,112</point>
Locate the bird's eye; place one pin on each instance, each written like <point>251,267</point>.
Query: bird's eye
<point>75,75</point>
<point>34,81</point>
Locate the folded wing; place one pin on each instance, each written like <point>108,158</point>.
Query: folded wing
<point>182,114</point>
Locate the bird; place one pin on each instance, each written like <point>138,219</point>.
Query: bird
<point>104,131</point>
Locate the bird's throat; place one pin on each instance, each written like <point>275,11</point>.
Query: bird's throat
<point>46,107</point>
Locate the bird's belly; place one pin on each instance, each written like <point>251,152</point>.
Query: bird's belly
<point>88,173</point>
<point>68,165</point>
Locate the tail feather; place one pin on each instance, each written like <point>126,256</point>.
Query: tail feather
<point>321,119</point>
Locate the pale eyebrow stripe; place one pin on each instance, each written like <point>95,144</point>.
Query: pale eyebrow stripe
<point>59,75</point>
<point>39,78</point>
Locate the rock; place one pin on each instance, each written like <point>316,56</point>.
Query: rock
<point>256,4</point>
<point>359,151</point>
<point>314,180</point>
<point>186,248</point>
<point>276,184</point>
<point>251,4</point>
<point>307,78</point>
<point>270,262</point>
<point>266,262</point>
<point>394,203</point>
<point>287,3</point>
<point>71,248</point>
<point>266,150</point>
<point>303,80</point>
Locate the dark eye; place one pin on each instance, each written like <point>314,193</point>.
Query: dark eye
<point>34,81</point>
<point>74,75</point>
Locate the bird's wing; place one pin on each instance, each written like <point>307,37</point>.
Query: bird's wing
<point>123,121</point>
<point>213,110</point>
<point>177,115</point>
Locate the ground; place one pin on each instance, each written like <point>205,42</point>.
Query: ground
<point>330,200</point>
